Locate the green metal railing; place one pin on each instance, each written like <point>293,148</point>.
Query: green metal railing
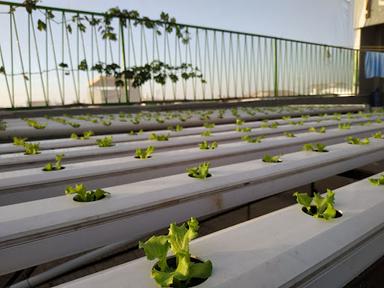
<point>41,56</point>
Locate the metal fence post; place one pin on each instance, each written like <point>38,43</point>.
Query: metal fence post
<point>275,80</point>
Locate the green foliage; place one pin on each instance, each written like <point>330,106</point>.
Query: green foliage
<point>56,166</point>
<point>200,172</point>
<point>272,159</point>
<point>243,129</point>
<point>344,126</point>
<point>177,128</point>
<point>86,135</point>
<point>239,122</point>
<point>296,123</point>
<point>305,117</point>
<point>250,139</point>
<point>357,140</point>
<point>19,141</point>
<point>82,195</point>
<point>144,154</point>
<point>286,118</point>
<point>177,241</point>
<point>378,121</point>
<point>105,142</point>
<point>106,122</point>
<point>160,137</point>
<point>31,148</point>
<point>377,135</point>
<point>318,147</point>
<point>132,132</point>
<point>34,124</point>
<point>318,206</point>
<point>208,146</point>
<point>289,134</point>
<point>377,181</point>
<point>206,133</point>
<point>209,125</point>
<point>319,130</point>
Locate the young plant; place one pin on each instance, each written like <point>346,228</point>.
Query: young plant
<point>132,132</point>
<point>181,269</point>
<point>160,137</point>
<point>357,140</point>
<point>35,124</point>
<point>289,134</point>
<point>319,130</point>
<point>243,129</point>
<point>206,133</point>
<point>208,146</point>
<point>318,206</point>
<point>344,126</point>
<point>377,181</point>
<point>82,195</point>
<point>56,166</point>
<point>177,128</point>
<point>315,147</point>
<point>144,154</point>
<point>86,135</point>
<point>272,159</point>
<point>286,118</point>
<point>250,139</point>
<point>378,121</point>
<point>31,148</point>
<point>200,172</point>
<point>105,142</point>
<point>209,125</point>
<point>378,135</point>
<point>19,141</point>
<point>106,122</point>
<point>239,122</point>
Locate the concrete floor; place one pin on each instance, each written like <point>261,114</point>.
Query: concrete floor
<point>371,278</point>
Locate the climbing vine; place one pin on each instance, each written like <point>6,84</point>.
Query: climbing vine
<point>138,75</point>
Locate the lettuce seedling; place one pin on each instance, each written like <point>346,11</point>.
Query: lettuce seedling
<point>296,123</point>
<point>239,122</point>
<point>243,129</point>
<point>160,137</point>
<point>318,206</point>
<point>19,141</point>
<point>305,117</point>
<point>250,139</point>
<point>200,172</point>
<point>82,195</point>
<point>377,181</point>
<point>56,166</point>
<point>286,118</point>
<point>365,123</point>
<point>378,120</point>
<point>31,148</point>
<point>319,130</point>
<point>144,154</point>
<point>208,146</point>
<point>177,128</point>
<point>105,142</point>
<point>86,135</point>
<point>209,125</point>
<point>73,124</point>
<point>132,132</point>
<point>106,123</point>
<point>272,159</point>
<point>378,135</point>
<point>357,141</point>
<point>318,147</point>
<point>35,124</point>
<point>185,269</point>
<point>344,126</point>
<point>289,134</point>
<point>206,133</point>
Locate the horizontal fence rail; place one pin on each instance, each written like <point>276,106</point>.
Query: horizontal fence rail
<point>46,55</point>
